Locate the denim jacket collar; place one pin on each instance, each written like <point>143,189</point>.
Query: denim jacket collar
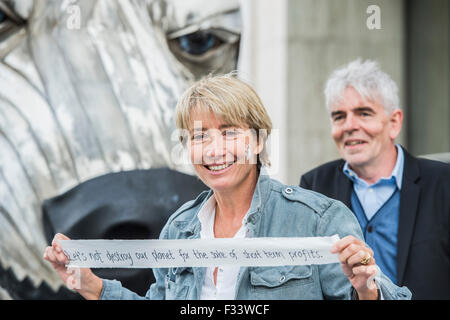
<point>262,191</point>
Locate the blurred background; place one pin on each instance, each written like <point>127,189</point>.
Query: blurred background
<point>290,47</point>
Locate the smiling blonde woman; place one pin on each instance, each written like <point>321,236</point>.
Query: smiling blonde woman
<point>225,128</point>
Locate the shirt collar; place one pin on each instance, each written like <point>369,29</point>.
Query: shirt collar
<point>397,172</point>
<point>206,216</point>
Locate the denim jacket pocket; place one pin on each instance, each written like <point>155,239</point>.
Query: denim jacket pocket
<point>177,284</point>
<point>285,282</point>
<point>277,276</point>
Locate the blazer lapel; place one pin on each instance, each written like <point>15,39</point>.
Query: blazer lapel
<point>344,187</point>
<point>409,199</point>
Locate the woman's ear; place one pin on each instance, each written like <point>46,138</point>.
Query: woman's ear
<point>260,145</point>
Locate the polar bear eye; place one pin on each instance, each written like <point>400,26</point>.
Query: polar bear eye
<point>202,42</point>
<point>199,42</point>
<point>206,40</point>
<point>205,51</point>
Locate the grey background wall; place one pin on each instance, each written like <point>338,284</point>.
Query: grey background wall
<point>290,47</point>
<point>427,75</point>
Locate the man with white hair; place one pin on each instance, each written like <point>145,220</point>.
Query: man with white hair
<point>401,202</point>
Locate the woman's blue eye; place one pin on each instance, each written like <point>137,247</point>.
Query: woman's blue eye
<point>198,43</point>
<point>198,136</point>
<point>2,16</point>
<point>230,133</point>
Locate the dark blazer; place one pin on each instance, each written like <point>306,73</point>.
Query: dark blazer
<point>423,249</point>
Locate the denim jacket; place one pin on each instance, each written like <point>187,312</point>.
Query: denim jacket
<point>276,211</point>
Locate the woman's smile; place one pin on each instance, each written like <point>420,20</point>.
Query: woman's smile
<point>216,169</point>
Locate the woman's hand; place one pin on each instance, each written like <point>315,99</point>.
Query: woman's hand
<point>358,265</point>
<point>88,284</point>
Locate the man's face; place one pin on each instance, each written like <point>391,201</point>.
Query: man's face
<point>363,130</point>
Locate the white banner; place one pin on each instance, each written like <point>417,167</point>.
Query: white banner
<point>199,252</point>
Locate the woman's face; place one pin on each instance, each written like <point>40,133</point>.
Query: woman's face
<point>223,156</point>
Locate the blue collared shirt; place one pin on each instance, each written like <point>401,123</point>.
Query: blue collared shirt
<point>372,197</point>
<point>376,207</point>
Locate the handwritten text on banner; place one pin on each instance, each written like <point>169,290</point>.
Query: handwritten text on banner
<point>199,252</point>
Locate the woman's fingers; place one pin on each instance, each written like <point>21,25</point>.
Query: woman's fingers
<point>347,252</point>
<point>62,258</point>
<point>356,265</point>
<point>352,251</point>
<point>54,253</point>
<point>55,241</point>
<point>367,271</point>
<point>48,254</point>
<point>52,256</point>
<point>343,243</point>
<point>359,256</point>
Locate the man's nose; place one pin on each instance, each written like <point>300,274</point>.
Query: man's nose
<point>351,123</point>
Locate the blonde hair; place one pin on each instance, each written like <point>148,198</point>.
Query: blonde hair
<point>230,99</point>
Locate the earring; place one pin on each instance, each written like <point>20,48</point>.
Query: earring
<point>248,152</point>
